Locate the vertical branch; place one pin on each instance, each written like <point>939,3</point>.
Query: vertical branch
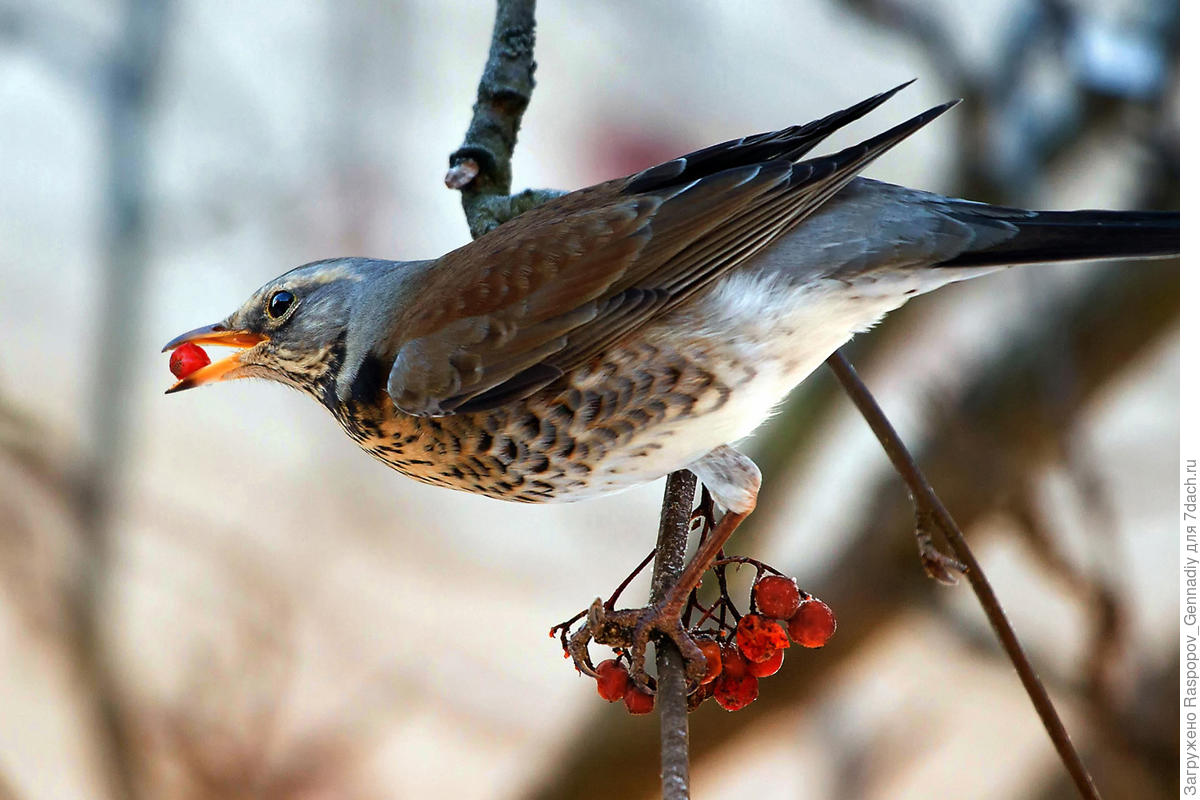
<point>129,86</point>
<point>504,92</point>
<point>481,168</point>
<point>672,680</point>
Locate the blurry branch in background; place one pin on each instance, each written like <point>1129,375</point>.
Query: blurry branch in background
<point>227,736</point>
<point>35,546</point>
<point>1010,132</point>
<point>24,440</point>
<point>481,168</point>
<point>64,45</point>
<point>126,70</point>
<point>130,73</point>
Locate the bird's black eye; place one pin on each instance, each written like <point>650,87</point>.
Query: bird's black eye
<point>279,304</point>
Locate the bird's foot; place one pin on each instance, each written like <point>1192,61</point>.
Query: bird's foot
<point>631,629</point>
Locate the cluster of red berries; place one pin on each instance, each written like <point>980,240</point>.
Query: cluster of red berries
<point>756,649</point>
<point>738,658</point>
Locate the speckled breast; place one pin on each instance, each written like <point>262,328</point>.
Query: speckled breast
<point>611,424</point>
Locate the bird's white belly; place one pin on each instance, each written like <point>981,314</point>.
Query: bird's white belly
<point>764,337</point>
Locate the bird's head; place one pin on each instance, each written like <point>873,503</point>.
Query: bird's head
<point>292,330</point>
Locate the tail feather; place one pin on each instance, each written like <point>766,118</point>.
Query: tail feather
<point>1046,236</point>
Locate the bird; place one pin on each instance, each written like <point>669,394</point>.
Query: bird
<point>639,326</point>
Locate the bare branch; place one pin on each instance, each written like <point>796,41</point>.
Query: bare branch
<point>672,681</point>
<point>481,168</point>
<point>927,502</point>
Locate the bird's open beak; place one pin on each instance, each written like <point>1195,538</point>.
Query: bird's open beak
<point>218,370</point>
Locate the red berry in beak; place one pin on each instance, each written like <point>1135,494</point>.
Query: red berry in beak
<point>187,358</point>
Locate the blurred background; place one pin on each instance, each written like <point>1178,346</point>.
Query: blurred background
<point>217,595</point>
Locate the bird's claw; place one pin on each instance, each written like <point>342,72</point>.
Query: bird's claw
<point>631,629</point>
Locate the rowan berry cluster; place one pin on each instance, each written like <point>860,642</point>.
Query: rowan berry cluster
<point>754,650</point>
<point>738,655</point>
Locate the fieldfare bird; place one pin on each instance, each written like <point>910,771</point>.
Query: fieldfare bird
<point>639,326</point>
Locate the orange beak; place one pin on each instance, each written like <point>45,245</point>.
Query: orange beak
<point>218,370</point>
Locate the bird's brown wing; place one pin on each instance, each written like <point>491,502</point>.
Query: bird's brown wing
<point>540,295</point>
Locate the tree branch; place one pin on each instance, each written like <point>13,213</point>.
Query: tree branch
<point>481,168</point>
<point>671,697</point>
<point>928,503</point>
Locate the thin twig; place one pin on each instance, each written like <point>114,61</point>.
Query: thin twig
<point>616,595</point>
<point>671,697</point>
<point>927,501</point>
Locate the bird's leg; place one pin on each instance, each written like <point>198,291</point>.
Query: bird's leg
<point>733,480</point>
<point>664,617</point>
<point>632,628</point>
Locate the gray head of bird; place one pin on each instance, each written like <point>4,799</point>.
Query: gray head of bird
<point>303,328</point>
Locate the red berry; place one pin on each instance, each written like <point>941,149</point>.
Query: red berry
<point>758,637</point>
<point>812,624</point>
<point>734,693</point>
<point>612,679</point>
<point>712,653</point>
<point>733,663</point>
<point>637,701</point>
<point>777,597</point>
<point>186,359</point>
<point>764,668</point>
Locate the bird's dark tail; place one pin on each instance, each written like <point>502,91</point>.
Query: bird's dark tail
<point>1045,236</point>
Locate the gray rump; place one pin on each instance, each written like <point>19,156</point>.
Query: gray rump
<point>870,226</point>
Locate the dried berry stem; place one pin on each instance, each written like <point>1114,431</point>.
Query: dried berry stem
<point>612,600</point>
